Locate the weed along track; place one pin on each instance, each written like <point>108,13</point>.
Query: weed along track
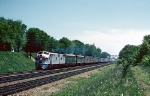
<point>17,83</point>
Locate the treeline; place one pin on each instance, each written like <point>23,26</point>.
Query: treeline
<point>132,55</point>
<point>15,36</point>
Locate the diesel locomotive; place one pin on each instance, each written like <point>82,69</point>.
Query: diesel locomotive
<point>47,60</point>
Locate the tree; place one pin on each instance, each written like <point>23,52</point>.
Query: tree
<point>143,53</point>
<point>78,47</point>
<point>64,44</point>
<point>90,50</point>
<point>128,51</point>
<point>98,52</point>
<point>104,55</point>
<point>20,37</point>
<point>37,40</point>
<point>55,45</point>
<point>127,57</point>
<point>128,54</point>
<point>94,50</point>
<point>5,41</point>
<point>12,34</point>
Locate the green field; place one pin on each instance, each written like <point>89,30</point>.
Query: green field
<point>108,81</point>
<point>14,62</point>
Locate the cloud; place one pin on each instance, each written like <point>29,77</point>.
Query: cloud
<point>112,41</point>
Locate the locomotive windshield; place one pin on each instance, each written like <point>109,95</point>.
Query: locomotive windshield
<point>46,53</point>
<point>40,52</point>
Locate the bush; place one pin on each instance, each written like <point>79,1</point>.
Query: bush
<point>119,61</point>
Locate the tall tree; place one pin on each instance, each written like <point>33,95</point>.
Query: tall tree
<point>104,55</point>
<point>78,47</point>
<point>128,51</point>
<point>64,43</point>
<point>5,41</point>
<point>20,37</point>
<point>12,34</point>
<point>36,40</point>
<point>143,54</point>
<point>55,45</point>
<point>127,57</point>
<point>90,50</point>
<point>98,52</point>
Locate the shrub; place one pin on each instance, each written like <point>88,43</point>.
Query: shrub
<point>119,61</point>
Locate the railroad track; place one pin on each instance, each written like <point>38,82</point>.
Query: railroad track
<point>53,75</point>
<point>35,73</point>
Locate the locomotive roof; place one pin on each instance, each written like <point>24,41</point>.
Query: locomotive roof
<point>40,52</point>
<point>80,55</point>
<point>72,55</point>
<point>46,52</point>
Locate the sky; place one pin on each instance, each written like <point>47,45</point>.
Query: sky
<point>109,24</point>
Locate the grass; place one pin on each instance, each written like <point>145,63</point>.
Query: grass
<point>14,62</point>
<point>107,81</point>
<point>142,75</point>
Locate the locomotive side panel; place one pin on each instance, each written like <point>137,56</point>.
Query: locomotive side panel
<point>54,58</point>
<point>61,59</point>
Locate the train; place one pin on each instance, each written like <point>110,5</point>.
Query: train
<point>48,60</point>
